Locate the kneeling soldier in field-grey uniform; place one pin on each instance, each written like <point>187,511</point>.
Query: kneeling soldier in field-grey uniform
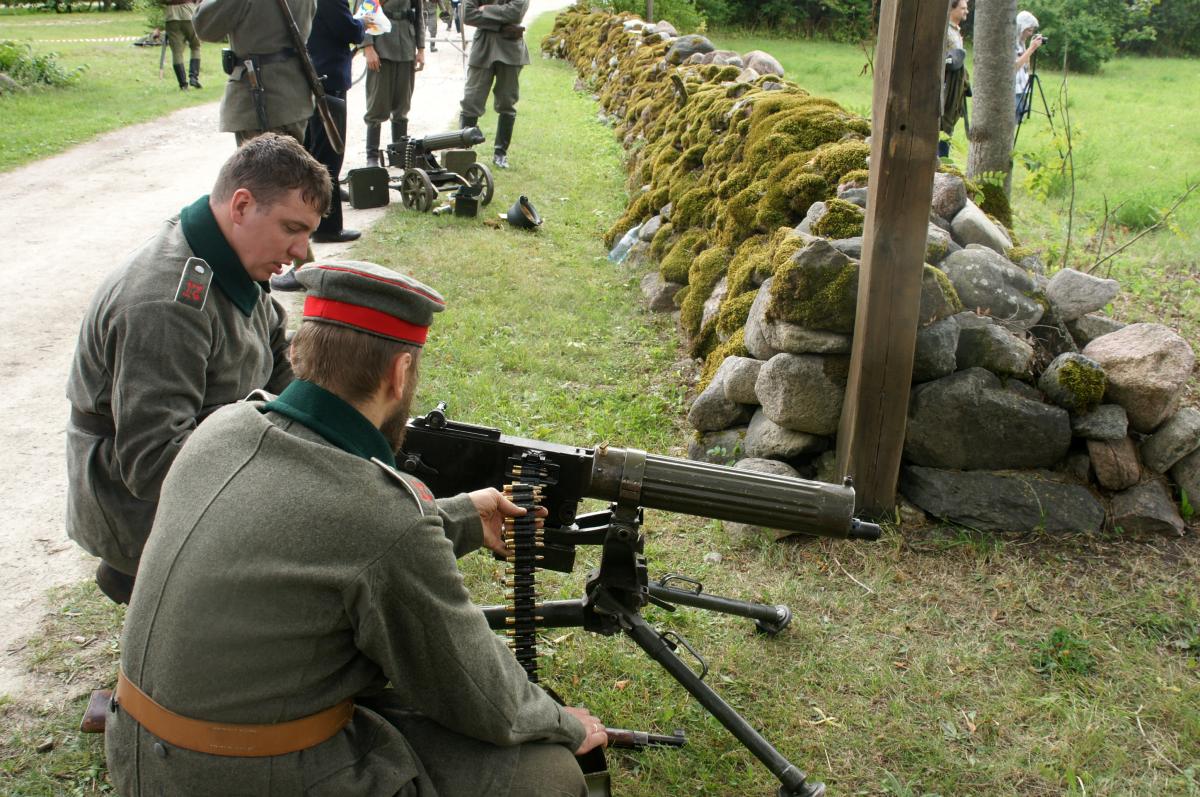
<point>299,624</point>
<point>498,52</point>
<point>184,327</point>
<point>258,34</point>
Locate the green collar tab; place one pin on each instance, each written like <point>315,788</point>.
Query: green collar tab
<point>206,240</point>
<point>333,419</point>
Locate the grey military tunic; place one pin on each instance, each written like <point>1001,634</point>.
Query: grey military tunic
<point>287,571</point>
<point>257,27</point>
<point>154,356</point>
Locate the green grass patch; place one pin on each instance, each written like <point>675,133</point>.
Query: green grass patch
<point>119,87</point>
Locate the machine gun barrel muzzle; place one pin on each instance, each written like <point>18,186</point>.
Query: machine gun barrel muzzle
<point>714,491</point>
<point>455,139</point>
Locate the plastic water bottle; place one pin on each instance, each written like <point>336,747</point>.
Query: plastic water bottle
<point>621,250</point>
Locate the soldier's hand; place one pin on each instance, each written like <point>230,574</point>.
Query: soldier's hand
<point>372,58</point>
<point>596,735</point>
<point>419,64</point>
<point>493,507</point>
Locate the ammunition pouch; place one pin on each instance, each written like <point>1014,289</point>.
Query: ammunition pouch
<point>230,60</point>
<point>511,32</point>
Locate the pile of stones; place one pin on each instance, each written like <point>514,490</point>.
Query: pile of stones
<point>1030,408</point>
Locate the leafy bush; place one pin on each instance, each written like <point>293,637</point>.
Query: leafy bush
<point>1086,29</point>
<point>683,14</point>
<point>1176,24</point>
<point>24,68</point>
<point>1137,214</point>
<point>1064,653</point>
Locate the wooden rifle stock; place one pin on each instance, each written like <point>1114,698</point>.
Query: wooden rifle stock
<point>310,74</point>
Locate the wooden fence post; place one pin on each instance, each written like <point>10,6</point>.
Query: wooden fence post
<point>904,134</point>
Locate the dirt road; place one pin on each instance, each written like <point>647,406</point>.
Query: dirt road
<point>66,222</point>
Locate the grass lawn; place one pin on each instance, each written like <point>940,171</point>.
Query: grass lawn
<point>119,87</point>
<point>932,662</point>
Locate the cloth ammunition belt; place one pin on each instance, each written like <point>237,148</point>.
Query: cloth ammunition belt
<point>93,424</point>
<point>230,739</point>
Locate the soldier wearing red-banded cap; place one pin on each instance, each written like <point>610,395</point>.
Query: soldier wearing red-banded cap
<point>299,624</point>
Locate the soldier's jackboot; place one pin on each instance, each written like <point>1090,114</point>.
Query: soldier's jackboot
<point>399,130</point>
<point>180,75</point>
<point>194,73</point>
<point>372,144</point>
<point>116,585</point>
<point>504,131</point>
<point>468,121</point>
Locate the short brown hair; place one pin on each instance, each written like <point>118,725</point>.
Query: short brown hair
<point>344,361</point>
<point>269,166</point>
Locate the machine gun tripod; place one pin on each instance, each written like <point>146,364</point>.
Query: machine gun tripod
<point>453,457</point>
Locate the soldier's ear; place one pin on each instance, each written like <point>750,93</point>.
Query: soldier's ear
<point>240,204</point>
<point>399,375</point>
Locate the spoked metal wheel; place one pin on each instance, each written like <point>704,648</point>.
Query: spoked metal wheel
<point>417,191</point>
<point>479,175</point>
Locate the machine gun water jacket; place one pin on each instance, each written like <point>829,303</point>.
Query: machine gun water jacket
<point>291,568</point>
<point>155,355</point>
<point>257,27</point>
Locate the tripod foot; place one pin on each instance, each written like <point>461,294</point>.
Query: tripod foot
<point>807,790</point>
<point>773,627</point>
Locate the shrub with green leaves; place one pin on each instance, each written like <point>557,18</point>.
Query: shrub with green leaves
<point>1138,213</point>
<point>26,69</point>
<point>1063,653</point>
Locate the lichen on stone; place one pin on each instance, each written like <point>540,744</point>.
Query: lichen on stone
<point>703,275</point>
<point>842,219</point>
<point>1086,385</point>
<point>677,263</point>
<point>734,347</point>
<point>816,298</point>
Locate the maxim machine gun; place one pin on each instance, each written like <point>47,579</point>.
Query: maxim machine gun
<point>424,177</point>
<point>453,457</point>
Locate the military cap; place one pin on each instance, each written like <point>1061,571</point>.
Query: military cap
<point>369,298</point>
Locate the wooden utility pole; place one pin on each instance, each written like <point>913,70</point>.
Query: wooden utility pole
<point>649,10</point>
<point>909,62</point>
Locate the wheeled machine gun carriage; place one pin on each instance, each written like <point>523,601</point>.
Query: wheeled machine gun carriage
<point>425,177</point>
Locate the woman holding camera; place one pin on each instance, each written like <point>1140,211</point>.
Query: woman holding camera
<point>1027,45</point>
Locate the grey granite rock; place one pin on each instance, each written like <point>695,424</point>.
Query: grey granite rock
<point>1087,328</point>
<point>683,47</point>
<point>1147,508</point>
<point>851,247</point>
<point>660,295</point>
<point>988,282</point>
<point>1106,422</point>
<point>1174,440</point>
<point>1072,293</point>
<point>803,392</point>
<point>855,196</point>
<point>765,438</point>
<point>1186,474</point>
<point>994,348</point>
<point>972,226</point>
<point>763,63</point>
<point>756,322</point>
<point>740,375</point>
<point>815,211</point>
<point>712,305</point>
<point>937,345</point>
<point>712,411</point>
<point>1022,501</point>
<point>969,421</point>
<point>650,228</point>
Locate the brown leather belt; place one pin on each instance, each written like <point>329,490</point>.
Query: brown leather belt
<point>241,740</point>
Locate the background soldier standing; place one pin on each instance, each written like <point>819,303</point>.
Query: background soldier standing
<point>178,15</point>
<point>297,583</point>
<point>498,52</point>
<point>181,329</point>
<point>258,34</point>
<point>393,59</point>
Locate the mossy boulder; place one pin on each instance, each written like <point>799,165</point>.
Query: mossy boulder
<point>833,161</point>
<point>733,314</point>
<point>938,298</point>
<point>1074,382</point>
<point>678,262</point>
<point>842,219</point>
<point>816,289</point>
<point>662,241</point>
<point>734,347</point>
<point>703,275</point>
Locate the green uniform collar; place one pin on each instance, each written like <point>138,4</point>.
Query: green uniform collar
<point>206,240</point>
<point>333,419</point>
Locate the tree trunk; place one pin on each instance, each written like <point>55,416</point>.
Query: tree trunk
<point>649,10</point>
<point>994,104</point>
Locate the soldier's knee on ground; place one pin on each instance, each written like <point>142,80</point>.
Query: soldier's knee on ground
<point>547,770</point>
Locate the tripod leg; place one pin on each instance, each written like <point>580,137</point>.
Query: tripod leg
<point>767,619</point>
<point>649,640</point>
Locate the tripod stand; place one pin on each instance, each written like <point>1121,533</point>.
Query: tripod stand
<point>615,593</point>
<point>1025,104</point>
